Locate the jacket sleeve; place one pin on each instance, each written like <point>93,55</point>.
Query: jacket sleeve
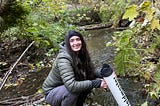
<point>97,73</point>
<point>68,77</point>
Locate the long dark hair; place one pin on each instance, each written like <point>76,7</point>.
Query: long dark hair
<point>83,68</point>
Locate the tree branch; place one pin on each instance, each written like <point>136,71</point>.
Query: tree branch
<point>12,67</point>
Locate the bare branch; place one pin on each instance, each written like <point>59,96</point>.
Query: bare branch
<point>12,67</point>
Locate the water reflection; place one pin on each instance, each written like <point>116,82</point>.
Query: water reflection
<point>97,47</point>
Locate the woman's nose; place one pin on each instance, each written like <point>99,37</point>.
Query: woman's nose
<point>75,41</point>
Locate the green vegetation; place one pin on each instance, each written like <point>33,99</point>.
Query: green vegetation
<point>43,22</point>
<point>138,50</point>
<point>46,22</point>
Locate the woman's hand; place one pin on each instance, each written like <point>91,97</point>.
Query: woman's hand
<point>103,85</point>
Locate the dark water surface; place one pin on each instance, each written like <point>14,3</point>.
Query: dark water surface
<point>100,54</point>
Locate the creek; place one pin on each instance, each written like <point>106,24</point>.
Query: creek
<point>100,54</point>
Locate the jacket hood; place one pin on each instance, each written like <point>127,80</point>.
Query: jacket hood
<point>62,47</point>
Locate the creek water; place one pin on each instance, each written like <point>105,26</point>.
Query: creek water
<point>100,54</point>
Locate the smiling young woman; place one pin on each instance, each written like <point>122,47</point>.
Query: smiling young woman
<point>72,76</point>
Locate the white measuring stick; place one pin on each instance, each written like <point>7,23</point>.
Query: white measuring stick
<point>116,89</point>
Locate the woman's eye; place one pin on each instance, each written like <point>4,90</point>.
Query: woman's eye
<point>71,40</point>
<point>78,39</point>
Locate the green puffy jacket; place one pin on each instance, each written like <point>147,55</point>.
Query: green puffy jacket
<point>62,74</point>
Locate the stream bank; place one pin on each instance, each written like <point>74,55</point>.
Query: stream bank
<point>99,54</point>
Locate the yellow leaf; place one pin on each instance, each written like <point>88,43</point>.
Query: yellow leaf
<point>84,14</point>
<point>108,44</point>
<point>145,5</point>
<point>31,66</point>
<point>78,15</point>
<point>155,24</point>
<point>149,13</point>
<point>23,78</point>
<point>147,75</point>
<point>80,1</point>
<point>114,38</point>
<point>131,13</point>
<point>153,94</point>
<point>40,91</point>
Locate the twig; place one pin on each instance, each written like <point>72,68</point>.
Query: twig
<point>24,100</point>
<point>12,67</point>
<point>39,101</point>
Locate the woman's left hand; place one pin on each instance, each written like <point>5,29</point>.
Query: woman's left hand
<point>103,85</point>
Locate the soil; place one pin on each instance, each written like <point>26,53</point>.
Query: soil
<point>26,78</point>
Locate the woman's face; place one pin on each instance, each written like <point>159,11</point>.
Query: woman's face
<point>75,43</point>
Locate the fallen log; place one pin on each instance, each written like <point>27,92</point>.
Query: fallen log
<point>95,26</point>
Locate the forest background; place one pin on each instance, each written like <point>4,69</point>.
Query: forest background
<point>43,24</point>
